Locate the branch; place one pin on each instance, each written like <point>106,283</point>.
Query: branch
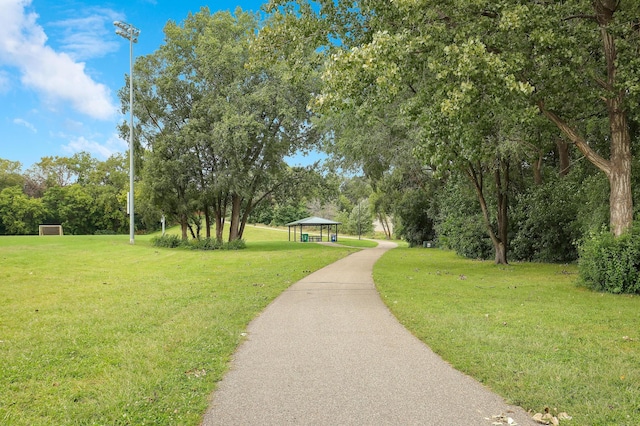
<point>593,18</point>
<point>578,140</point>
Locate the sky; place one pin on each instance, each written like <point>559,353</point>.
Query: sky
<point>62,64</point>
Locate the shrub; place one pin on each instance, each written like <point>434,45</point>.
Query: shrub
<point>173,241</point>
<point>167,240</point>
<point>611,264</point>
<point>235,245</point>
<point>414,223</point>
<point>466,235</point>
<point>544,222</point>
<point>205,244</point>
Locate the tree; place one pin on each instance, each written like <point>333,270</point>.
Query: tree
<point>72,207</point>
<point>19,214</point>
<point>218,120</point>
<point>585,57</point>
<point>457,96</point>
<point>10,174</point>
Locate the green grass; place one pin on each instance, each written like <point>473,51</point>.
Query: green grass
<point>354,242</point>
<point>96,331</point>
<point>524,330</point>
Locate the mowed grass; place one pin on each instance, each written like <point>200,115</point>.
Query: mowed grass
<point>354,242</point>
<point>96,331</point>
<point>524,330</point>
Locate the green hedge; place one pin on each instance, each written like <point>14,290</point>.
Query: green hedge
<point>611,264</point>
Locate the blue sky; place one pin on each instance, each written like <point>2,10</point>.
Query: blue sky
<point>61,65</point>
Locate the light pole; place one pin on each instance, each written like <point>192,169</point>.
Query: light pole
<point>131,33</point>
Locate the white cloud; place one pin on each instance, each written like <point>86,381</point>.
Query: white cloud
<point>90,36</point>
<point>53,74</point>
<point>25,123</point>
<point>99,150</point>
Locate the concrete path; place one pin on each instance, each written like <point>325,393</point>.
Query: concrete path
<point>328,352</point>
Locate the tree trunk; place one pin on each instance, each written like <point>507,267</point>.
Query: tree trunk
<point>382,218</point>
<point>234,226</point>
<point>537,170</point>
<point>499,241</point>
<point>502,189</point>
<point>243,221</point>
<point>183,226</point>
<point>207,221</point>
<point>219,211</point>
<point>620,200</point>
<point>563,157</point>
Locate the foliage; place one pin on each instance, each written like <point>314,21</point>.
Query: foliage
<point>414,221</point>
<point>167,241</point>
<point>277,214</point>
<point>459,224</point>
<point>85,195</point>
<point>218,119</point>
<point>19,214</point>
<point>10,174</point>
<point>545,225</point>
<point>173,241</point>
<point>358,220</point>
<point>611,264</point>
<point>466,235</point>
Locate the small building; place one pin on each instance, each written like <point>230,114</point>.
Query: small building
<point>314,223</point>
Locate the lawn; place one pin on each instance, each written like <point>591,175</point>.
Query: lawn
<point>96,331</point>
<point>524,330</point>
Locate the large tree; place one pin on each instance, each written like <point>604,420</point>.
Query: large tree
<point>585,54</point>
<point>218,119</point>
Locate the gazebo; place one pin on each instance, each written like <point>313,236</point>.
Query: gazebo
<point>314,222</point>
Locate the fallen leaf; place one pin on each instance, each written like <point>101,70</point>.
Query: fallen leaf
<point>564,416</point>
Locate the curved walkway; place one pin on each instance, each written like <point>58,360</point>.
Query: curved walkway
<point>328,352</point>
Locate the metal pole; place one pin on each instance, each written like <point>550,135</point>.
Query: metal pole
<point>131,33</point>
<point>131,171</point>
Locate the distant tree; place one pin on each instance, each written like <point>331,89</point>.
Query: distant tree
<point>10,174</point>
<point>72,207</point>
<point>19,214</point>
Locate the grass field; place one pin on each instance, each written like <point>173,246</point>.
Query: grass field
<point>524,330</point>
<point>96,331</point>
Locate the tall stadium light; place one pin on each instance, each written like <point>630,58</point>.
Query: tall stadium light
<point>131,33</point>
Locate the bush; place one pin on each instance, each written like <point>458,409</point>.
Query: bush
<point>205,244</point>
<point>167,240</point>
<point>544,223</point>
<point>173,241</point>
<point>414,223</point>
<point>611,264</point>
<point>466,235</point>
<point>235,245</point>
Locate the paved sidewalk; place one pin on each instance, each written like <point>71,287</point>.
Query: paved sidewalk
<point>328,352</point>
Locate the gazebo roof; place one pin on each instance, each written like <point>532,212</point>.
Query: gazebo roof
<point>313,221</point>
